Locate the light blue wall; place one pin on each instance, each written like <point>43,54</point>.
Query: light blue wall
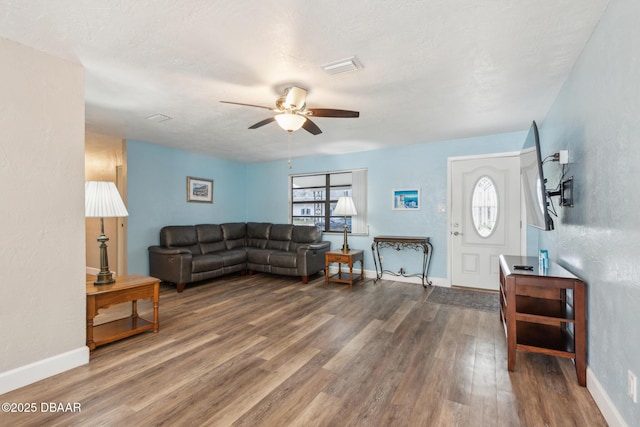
<point>157,195</point>
<point>259,192</point>
<point>597,118</point>
<point>422,165</point>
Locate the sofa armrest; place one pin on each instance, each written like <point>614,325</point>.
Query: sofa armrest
<point>324,246</point>
<point>319,246</point>
<point>311,257</point>
<point>169,251</point>
<point>170,264</point>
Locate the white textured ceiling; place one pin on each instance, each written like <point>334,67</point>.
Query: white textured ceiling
<point>433,69</point>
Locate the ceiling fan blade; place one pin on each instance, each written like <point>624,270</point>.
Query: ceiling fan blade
<point>311,127</point>
<point>249,105</point>
<point>330,112</point>
<point>262,123</point>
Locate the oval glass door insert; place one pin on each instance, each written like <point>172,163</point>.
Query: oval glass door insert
<point>484,206</point>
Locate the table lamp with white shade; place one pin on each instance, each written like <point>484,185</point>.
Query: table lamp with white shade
<point>345,207</point>
<point>102,200</point>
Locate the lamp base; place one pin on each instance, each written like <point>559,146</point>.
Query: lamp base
<point>105,276</point>
<point>345,245</point>
<point>104,279</point>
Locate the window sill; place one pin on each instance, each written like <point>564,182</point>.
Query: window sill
<point>342,233</point>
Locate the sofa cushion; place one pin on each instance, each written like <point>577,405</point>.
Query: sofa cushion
<point>234,257</point>
<point>208,262</point>
<point>181,236</point>
<point>235,234</point>
<point>280,237</point>
<point>258,234</point>
<point>210,238</point>
<point>258,256</point>
<point>283,259</point>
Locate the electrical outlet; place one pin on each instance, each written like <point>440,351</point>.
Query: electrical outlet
<point>632,386</point>
<point>564,157</point>
<point>381,259</point>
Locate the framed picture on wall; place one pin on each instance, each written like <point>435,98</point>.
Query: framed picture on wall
<point>199,190</point>
<point>406,199</point>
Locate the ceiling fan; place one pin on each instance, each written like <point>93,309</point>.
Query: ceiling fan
<point>293,114</point>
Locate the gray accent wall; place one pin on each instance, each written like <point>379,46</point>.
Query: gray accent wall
<point>596,117</point>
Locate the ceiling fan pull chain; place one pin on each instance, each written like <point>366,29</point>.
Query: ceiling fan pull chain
<point>289,139</point>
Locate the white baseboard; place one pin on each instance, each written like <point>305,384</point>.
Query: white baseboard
<point>604,403</point>
<point>435,281</point>
<point>34,372</point>
<point>371,274</point>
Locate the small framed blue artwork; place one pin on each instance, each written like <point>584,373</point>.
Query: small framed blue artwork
<point>406,199</point>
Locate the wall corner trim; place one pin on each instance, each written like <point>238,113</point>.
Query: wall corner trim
<point>33,372</point>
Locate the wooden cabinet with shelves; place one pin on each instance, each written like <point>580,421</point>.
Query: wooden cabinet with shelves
<point>543,311</point>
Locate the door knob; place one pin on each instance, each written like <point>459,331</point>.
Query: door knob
<point>457,233</point>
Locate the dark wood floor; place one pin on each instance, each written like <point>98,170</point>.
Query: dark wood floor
<point>270,351</point>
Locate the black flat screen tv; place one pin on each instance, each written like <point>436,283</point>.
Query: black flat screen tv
<point>536,197</point>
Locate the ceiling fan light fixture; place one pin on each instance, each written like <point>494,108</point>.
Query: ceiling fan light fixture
<point>295,98</point>
<point>290,122</point>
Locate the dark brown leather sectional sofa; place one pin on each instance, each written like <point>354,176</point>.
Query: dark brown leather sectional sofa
<point>190,253</point>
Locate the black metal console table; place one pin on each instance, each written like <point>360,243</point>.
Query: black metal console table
<point>399,243</point>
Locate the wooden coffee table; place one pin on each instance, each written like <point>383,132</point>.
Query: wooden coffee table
<point>126,288</point>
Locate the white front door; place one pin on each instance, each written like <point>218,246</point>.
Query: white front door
<point>485,218</point>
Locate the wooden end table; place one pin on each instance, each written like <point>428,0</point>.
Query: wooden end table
<point>348,258</point>
<point>125,289</point>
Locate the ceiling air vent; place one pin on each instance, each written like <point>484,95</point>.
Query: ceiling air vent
<point>159,118</point>
<point>342,66</point>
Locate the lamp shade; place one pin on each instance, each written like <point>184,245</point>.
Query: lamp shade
<point>102,200</point>
<point>345,207</point>
<point>290,122</point>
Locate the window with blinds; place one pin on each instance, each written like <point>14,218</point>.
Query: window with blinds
<point>313,198</point>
